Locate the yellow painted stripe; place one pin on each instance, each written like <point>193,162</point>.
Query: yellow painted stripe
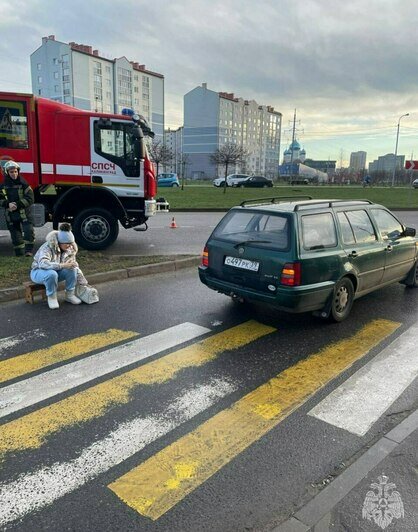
<point>163,480</point>
<point>24,364</point>
<point>32,430</point>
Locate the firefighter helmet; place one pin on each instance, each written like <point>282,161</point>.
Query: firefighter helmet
<point>9,165</point>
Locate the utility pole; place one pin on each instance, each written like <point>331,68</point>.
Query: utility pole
<point>396,149</point>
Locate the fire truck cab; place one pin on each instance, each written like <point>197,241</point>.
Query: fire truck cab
<point>91,169</point>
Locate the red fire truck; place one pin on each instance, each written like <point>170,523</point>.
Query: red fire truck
<point>91,169</point>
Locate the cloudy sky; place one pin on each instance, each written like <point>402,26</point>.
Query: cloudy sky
<point>349,68</point>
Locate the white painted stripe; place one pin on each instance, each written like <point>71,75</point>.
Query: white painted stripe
<point>358,403</point>
<point>33,491</point>
<point>50,383</point>
<point>11,341</point>
<point>86,170</point>
<point>26,168</point>
<point>69,169</point>
<point>47,168</point>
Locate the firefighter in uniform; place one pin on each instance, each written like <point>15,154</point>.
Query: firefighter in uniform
<point>16,197</point>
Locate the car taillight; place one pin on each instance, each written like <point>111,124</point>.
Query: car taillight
<point>291,274</point>
<point>205,257</point>
<point>150,183</point>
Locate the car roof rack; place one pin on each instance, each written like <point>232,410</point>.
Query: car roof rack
<point>275,199</point>
<point>331,203</point>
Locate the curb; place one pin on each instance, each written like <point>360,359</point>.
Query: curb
<point>18,292</point>
<point>314,514</point>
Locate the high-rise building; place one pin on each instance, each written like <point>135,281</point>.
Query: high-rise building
<point>358,160</point>
<point>213,119</point>
<point>386,163</point>
<point>80,76</point>
<point>173,139</point>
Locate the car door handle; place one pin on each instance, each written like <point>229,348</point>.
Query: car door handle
<point>353,254</point>
<point>389,247</point>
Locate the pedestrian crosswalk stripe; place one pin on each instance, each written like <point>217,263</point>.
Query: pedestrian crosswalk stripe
<point>31,391</point>
<point>163,480</point>
<point>36,360</point>
<point>34,490</point>
<point>32,430</point>
<point>355,406</point>
<point>11,341</point>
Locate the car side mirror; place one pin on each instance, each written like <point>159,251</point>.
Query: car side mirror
<point>409,231</point>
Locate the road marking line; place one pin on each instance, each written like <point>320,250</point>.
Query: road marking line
<point>35,360</point>
<point>32,491</point>
<point>32,430</point>
<point>53,382</point>
<point>166,478</point>
<point>11,341</point>
<point>358,403</point>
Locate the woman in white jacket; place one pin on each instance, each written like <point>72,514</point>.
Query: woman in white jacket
<point>56,261</point>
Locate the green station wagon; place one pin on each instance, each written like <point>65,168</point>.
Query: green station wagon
<point>301,255</point>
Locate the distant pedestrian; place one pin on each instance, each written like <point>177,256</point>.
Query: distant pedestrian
<point>56,261</point>
<point>16,198</point>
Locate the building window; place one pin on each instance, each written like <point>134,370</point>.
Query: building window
<point>39,79</point>
<point>56,75</point>
<point>107,69</point>
<point>56,88</point>
<point>39,66</point>
<point>97,68</point>
<point>55,61</point>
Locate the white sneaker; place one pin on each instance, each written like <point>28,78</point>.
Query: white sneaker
<point>70,297</point>
<point>53,301</point>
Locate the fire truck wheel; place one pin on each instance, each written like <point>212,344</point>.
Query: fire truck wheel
<point>95,228</point>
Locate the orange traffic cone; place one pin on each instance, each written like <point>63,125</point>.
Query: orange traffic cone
<point>173,224</point>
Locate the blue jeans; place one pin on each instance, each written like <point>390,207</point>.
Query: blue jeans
<point>50,279</point>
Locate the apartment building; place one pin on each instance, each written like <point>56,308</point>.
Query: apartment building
<point>80,76</point>
<point>212,119</point>
<point>173,139</point>
<point>386,163</point>
<point>358,161</point>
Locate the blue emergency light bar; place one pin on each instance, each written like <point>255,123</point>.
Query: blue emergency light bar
<point>127,111</point>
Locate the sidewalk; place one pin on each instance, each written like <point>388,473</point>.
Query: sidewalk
<point>18,292</point>
<point>378,491</point>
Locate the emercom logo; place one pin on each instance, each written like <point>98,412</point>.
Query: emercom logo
<point>383,503</point>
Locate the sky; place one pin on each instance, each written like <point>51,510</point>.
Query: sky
<point>349,68</point>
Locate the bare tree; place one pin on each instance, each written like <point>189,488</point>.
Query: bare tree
<point>160,154</point>
<point>184,161</point>
<point>229,154</point>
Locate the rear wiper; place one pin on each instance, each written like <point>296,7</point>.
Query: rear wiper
<point>252,242</point>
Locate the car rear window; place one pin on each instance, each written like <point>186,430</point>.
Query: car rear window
<point>266,230</point>
<point>362,226</point>
<point>318,231</point>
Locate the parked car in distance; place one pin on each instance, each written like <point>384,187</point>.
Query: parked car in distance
<point>302,255</point>
<point>255,181</point>
<point>231,180</point>
<point>415,183</point>
<point>168,180</point>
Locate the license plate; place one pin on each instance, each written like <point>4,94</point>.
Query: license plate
<point>242,263</point>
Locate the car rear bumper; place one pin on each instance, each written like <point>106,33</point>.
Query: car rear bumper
<point>290,299</point>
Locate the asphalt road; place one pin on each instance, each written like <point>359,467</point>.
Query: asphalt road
<point>210,456</point>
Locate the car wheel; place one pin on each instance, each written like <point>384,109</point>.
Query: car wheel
<point>412,279</point>
<point>95,228</point>
<point>342,300</point>
<point>175,185</point>
<point>265,186</point>
<point>240,186</point>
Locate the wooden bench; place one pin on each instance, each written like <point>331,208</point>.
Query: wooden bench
<point>31,289</point>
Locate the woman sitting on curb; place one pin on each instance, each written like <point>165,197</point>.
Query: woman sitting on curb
<point>55,261</point>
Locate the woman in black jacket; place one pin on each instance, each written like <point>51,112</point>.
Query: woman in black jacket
<point>16,197</point>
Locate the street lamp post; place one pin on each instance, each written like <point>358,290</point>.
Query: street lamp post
<point>396,149</point>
